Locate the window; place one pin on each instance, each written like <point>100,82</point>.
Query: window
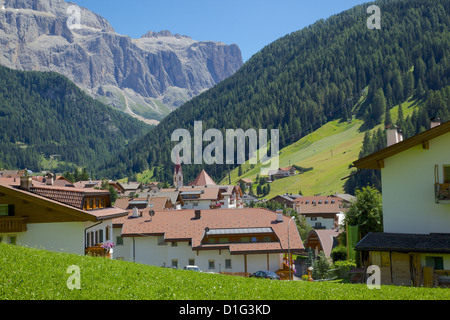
<point>267,239</point>
<point>88,239</point>
<point>228,264</point>
<point>436,262</point>
<point>161,241</point>
<point>245,239</point>
<point>313,218</point>
<point>12,239</point>
<point>224,240</point>
<point>191,262</point>
<point>175,263</point>
<point>446,173</point>
<point>174,244</point>
<point>3,210</point>
<point>100,234</point>
<point>92,239</point>
<point>107,231</point>
<point>211,264</point>
<point>119,241</point>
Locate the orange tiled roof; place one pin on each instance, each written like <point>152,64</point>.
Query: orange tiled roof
<point>208,192</point>
<point>203,179</point>
<point>68,197</point>
<point>318,204</point>
<point>177,225</point>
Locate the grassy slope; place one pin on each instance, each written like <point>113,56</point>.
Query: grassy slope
<point>27,273</point>
<point>329,150</point>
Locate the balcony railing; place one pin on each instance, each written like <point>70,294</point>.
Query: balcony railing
<point>12,224</point>
<point>442,192</point>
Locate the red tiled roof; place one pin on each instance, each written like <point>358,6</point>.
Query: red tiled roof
<point>68,197</point>
<point>209,192</point>
<point>318,204</point>
<point>182,225</point>
<point>203,179</point>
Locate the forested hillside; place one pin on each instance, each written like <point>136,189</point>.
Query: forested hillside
<point>314,75</point>
<point>43,114</point>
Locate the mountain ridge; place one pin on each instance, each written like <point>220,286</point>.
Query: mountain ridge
<point>155,77</point>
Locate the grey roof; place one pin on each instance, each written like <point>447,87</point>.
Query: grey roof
<point>173,195</point>
<point>131,186</point>
<point>285,197</point>
<point>405,242</point>
<point>139,202</point>
<point>239,231</point>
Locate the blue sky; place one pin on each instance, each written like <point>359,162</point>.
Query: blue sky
<point>248,23</point>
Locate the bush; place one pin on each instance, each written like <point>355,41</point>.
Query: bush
<point>321,267</point>
<point>343,267</point>
<point>339,253</point>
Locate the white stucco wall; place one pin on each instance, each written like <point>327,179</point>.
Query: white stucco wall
<point>63,237</point>
<point>328,223</point>
<point>146,250</point>
<point>408,189</point>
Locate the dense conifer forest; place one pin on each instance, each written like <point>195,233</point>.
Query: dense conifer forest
<point>334,69</point>
<point>45,114</point>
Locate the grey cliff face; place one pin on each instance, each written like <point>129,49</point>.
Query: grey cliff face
<point>146,77</point>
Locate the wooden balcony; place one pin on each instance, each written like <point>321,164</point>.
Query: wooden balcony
<point>12,224</point>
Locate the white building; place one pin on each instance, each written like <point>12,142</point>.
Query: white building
<point>63,219</point>
<point>321,212</point>
<point>415,173</point>
<point>229,240</point>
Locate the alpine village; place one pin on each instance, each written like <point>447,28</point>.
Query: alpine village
<point>359,197</point>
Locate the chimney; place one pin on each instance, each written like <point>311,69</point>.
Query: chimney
<point>394,135</point>
<point>279,215</point>
<point>434,122</point>
<point>25,182</point>
<point>198,214</point>
<point>50,179</point>
<point>135,213</point>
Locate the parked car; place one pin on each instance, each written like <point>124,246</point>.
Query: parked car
<point>192,268</point>
<point>266,275</point>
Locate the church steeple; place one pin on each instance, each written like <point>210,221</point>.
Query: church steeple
<point>178,174</point>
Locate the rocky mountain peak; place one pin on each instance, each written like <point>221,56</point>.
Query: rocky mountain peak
<point>147,77</point>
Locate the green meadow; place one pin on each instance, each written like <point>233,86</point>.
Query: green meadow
<point>32,274</point>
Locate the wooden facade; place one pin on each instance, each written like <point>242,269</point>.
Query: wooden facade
<point>405,269</point>
<point>29,208</point>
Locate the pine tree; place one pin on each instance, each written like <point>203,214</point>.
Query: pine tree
<point>387,118</point>
<point>378,106</point>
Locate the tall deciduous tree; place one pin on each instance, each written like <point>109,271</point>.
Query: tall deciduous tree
<point>367,211</point>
